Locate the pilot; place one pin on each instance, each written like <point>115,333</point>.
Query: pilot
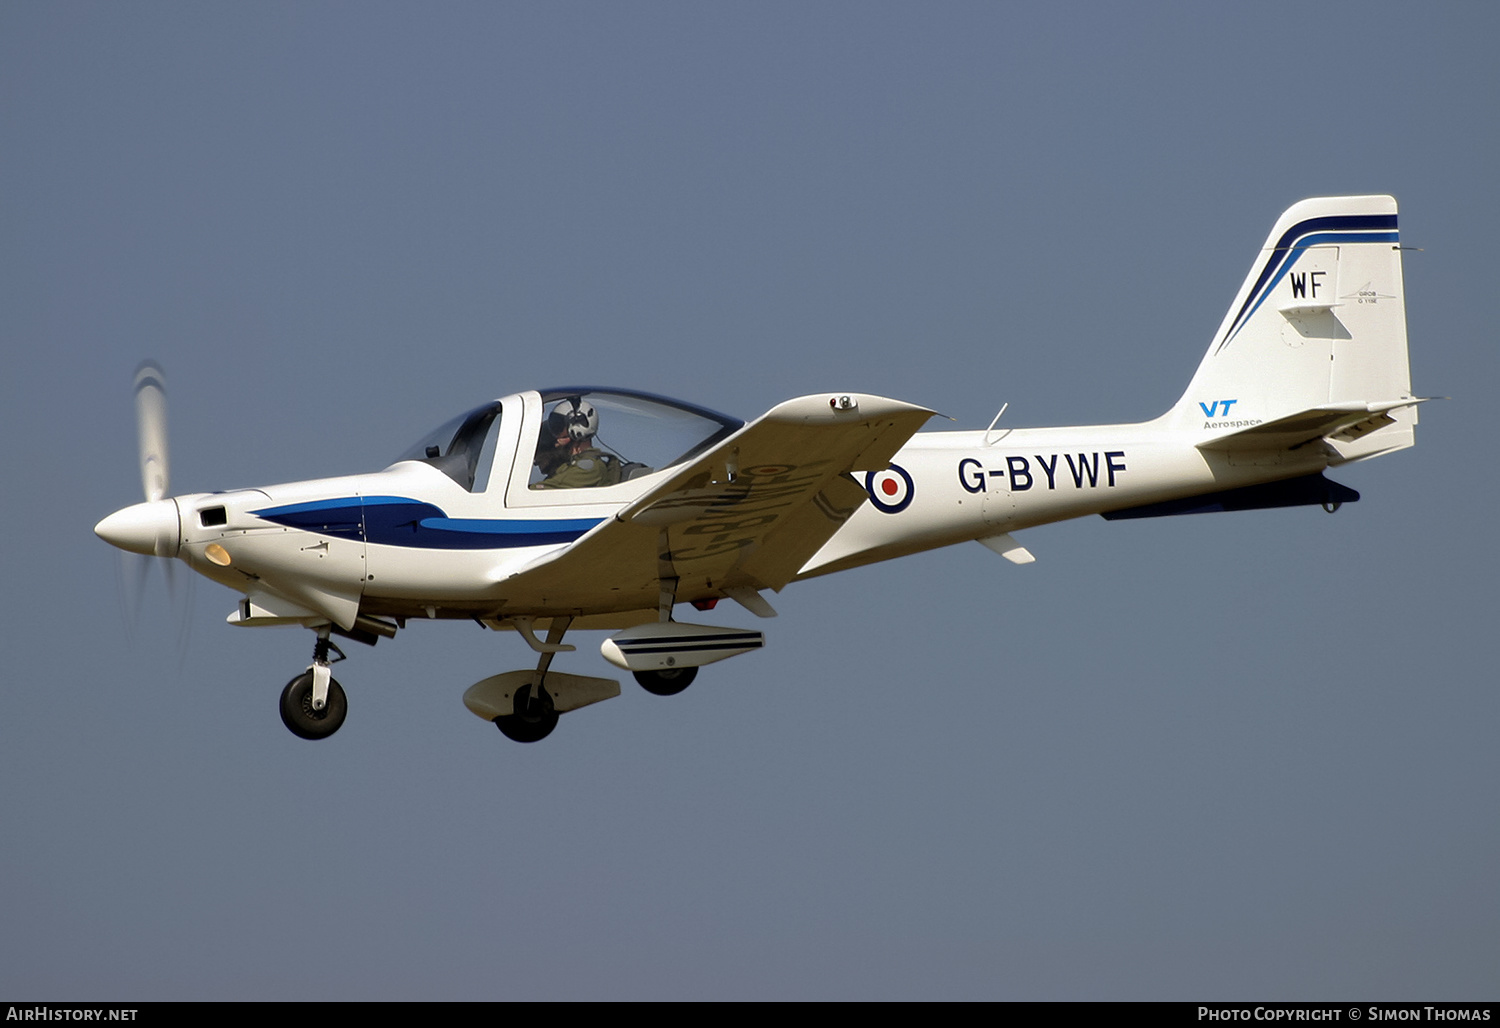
<point>566,453</point>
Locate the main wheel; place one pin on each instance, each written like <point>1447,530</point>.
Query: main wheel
<point>297,710</point>
<point>534,723</point>
<point>668,681</point>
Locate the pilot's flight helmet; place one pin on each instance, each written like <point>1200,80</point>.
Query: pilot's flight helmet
<point>575,416</point>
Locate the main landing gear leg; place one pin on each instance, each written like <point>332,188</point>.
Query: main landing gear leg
<point>313,704</point>
<point>666,681</point>
<point>534,718</point>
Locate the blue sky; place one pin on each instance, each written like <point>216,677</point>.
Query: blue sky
<point>1236,756</point>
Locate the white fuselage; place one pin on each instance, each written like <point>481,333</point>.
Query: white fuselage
<point>973,485</point>
<point>962,486</point>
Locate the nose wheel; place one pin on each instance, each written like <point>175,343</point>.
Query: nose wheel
<point>313,704</point>
<point>298,714</point>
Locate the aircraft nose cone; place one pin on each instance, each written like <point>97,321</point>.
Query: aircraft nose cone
<point>150,528</point>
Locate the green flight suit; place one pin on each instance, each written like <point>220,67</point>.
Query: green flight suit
<point>586,469</point>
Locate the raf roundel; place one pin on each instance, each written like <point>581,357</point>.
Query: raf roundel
<point>890,490</point>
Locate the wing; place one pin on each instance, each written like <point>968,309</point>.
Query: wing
<point>745,515</point>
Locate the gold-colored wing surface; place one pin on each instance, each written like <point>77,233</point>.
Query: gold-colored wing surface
<point>746,514</point>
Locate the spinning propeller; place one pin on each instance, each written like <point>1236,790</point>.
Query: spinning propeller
<point>152,527</point>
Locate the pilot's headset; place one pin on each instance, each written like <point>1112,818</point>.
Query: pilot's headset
<point>575,416</point>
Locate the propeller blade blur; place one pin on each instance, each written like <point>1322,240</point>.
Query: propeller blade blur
<point>151,428</point>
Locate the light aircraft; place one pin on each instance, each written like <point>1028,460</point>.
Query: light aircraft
<point>591,508</point>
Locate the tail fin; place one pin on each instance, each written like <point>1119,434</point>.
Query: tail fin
<point>1314,344</point>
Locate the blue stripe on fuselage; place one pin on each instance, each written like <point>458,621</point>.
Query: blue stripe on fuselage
<point>399,521</point>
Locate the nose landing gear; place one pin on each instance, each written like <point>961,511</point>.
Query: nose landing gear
<point>313,704</point>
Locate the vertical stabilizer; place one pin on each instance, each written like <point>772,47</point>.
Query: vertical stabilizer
<point>1319,324</point>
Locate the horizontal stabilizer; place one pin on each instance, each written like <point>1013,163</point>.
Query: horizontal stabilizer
<point>1342,421</point>
<point>1293,492</point>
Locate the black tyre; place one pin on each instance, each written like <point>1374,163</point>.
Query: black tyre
<point>297,710</point>
<point>668,681</point>
<point>535,720</point>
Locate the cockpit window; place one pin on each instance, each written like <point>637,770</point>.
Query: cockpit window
<point>463,449</point>
<point>595,437</point>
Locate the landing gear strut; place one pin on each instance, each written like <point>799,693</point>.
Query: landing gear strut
<point>666,681</point>
<point>534,718</point>
<point>313,704</point>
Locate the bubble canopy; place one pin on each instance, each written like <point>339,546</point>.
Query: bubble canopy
<point>639,431</point>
